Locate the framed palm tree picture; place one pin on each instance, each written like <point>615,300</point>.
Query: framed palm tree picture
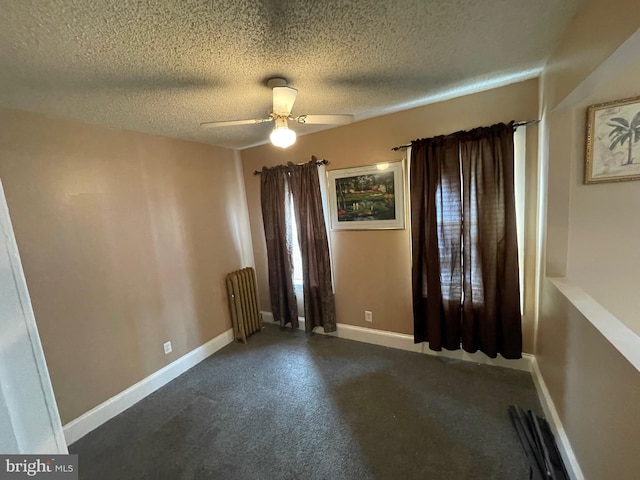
<point>613,141</point>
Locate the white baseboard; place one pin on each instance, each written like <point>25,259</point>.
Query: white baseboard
<point>403,341</point>
<point>551,414</point>
<point>79,427</point>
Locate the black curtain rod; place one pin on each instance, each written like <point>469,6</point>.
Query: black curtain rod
<point>515,125</point>
<point>313,159</point>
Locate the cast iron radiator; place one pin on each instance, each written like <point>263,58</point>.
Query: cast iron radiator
<point>243,303</point>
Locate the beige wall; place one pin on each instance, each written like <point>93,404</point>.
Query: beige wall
<point>598,29</point>
<point>372,268</point>
<point>604,220</point>
<point>594,388</point>
<point>569,83</point>
<point>590,235</point>
<point>125,239</point>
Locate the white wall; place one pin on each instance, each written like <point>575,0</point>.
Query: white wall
<point>29,420</point>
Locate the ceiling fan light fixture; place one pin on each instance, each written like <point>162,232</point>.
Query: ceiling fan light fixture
<point>283,99</point>
<point>282,136</point>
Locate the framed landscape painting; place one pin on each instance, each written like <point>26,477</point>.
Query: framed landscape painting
<point>613,141</point>
<point>367,198</point>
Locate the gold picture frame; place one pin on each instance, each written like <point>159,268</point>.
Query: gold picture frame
<point>367,198</point>
<point>613,138</point>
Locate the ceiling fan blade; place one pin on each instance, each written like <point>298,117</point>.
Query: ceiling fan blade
<point>283,99</point>
<point>324,119</point>
<point>235,122</point>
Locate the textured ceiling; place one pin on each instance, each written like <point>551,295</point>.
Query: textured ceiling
<point>164,66</point>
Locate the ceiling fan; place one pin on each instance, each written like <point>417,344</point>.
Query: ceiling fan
<point>283,99</point>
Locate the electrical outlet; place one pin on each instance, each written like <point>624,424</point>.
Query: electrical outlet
<point>167,348</point>
<point>368,316</point>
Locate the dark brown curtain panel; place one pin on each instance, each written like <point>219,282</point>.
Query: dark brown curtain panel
<point>274,198</point>
<point>319,303</point>
<point>436,229</point>
<point>465,262</point>
<point>491,320</point>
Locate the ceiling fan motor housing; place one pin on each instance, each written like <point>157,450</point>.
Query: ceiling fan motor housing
<point>277,82</point>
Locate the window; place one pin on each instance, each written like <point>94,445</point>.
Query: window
<point>292,229</point>
<point>296,255</point>
<point>519,158</point>
<point>449,212</point>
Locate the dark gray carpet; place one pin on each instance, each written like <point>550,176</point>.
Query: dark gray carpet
<point>293,406</point>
